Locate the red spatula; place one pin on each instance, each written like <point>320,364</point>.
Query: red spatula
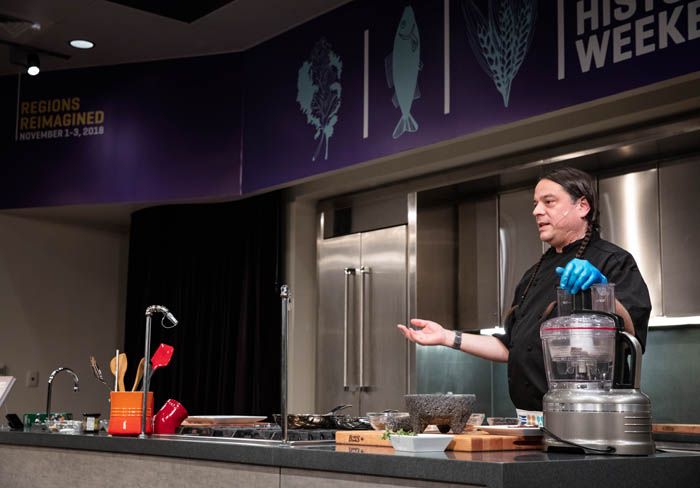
<point>161,357</point>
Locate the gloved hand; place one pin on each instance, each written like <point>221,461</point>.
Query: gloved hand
<point>579,275</point>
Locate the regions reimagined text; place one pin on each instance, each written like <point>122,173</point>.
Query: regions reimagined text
<point>57,118</point>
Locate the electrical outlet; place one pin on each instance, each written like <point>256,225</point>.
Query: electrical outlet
<point>32,379</point>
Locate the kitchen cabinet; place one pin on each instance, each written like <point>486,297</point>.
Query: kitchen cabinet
<point>477,279</point>
<point>519,243</point>
<point>436,262</point>
<point>629,217</point>
<point>679,210</point>
<point>361,358</point>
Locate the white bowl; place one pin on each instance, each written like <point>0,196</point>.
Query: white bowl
<point>421,442</point>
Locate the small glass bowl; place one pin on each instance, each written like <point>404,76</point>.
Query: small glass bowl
<point>65,426</point>
<point>392,421</point>
<point>377,420</point>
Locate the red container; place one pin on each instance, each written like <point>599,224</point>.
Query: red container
<point>169,417</point>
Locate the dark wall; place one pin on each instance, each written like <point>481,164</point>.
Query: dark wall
<point>217,267</point>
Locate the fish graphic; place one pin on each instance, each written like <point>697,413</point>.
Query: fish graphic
<point>402,67</point>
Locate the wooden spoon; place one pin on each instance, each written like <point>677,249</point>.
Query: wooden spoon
<point>139,374</point>
<point>122,370</point>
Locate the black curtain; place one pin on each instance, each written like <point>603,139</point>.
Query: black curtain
<point>217,267</point>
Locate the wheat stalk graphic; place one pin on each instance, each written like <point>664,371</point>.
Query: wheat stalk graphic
<point>501,41</point>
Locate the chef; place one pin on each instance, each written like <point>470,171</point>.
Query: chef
<point>566,213</point>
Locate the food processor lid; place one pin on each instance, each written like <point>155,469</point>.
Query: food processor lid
<point>580,321</point>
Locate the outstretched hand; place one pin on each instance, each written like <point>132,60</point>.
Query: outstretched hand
<point>428,333</point>
<point>579,275</point>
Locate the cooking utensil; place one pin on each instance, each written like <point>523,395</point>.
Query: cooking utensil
<point>348,422</point>
<point>98,372</point>
<point>311,421</point>
<point>161,357</point>
<point>114,368</point>
<point>118,366</point>
<point>139,374</point>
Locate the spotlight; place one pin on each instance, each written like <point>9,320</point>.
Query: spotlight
<point>82,44</point>
<point>28,56</point>
<point>33,64</point>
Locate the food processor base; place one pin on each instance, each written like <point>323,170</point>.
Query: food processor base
<point>604,422</point>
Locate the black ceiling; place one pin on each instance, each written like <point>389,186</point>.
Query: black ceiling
<point>183,11</point>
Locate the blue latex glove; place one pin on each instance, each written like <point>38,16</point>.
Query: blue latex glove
<point>579,275</point>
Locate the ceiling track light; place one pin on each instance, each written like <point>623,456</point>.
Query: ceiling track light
<point>28,56</point>
<point>33,67</point>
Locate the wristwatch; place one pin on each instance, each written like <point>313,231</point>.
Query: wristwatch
<point>457,344</point>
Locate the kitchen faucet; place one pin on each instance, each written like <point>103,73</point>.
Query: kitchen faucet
<point>153,309</point>
<point>76,386</point>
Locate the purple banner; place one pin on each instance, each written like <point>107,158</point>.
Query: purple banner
<point>367,80</point>
<point>156,131</point>
<point>507,60</point>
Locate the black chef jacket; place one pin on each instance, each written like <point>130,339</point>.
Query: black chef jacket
<point>527,380</point>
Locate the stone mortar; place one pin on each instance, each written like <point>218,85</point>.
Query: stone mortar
<point>445,411</point>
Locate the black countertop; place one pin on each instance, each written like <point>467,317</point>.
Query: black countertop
<point>498,469</point>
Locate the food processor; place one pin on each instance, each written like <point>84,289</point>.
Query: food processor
<point>591,405</point>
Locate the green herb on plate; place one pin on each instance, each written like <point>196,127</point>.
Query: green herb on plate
<point>388,433</point>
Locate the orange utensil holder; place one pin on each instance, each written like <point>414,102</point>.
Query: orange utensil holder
<point>125,412</point>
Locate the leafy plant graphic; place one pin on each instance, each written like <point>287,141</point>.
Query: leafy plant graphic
<point>500,43</point>
<point>318,92</point>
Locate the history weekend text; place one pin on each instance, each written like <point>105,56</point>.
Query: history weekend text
<point>614,31</point>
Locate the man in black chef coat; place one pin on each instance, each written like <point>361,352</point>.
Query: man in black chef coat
<point>566,213</point>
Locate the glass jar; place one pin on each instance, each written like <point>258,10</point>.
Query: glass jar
<point>91,422</point>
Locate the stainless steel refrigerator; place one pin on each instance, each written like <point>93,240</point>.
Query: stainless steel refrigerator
<point>361,355</point>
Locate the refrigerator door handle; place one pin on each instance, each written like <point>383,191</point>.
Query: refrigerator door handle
<point>363,271</point>
<point>348,272</point>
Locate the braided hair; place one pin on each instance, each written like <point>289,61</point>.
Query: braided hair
<point>578,184</point>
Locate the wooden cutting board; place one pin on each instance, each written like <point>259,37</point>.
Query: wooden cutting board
<point>676,428</point>
<point>470,442</point>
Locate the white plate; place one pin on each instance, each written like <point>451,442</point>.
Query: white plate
<point>511,430</point>
<point>223,419</point>
<point>421,442</point>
